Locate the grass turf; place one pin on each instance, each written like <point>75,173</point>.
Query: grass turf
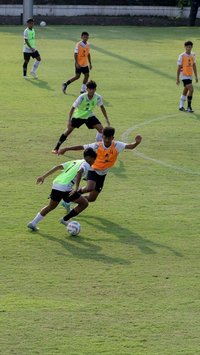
<point>129,283</point>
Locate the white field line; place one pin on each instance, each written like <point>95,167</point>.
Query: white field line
<point>126,134</point>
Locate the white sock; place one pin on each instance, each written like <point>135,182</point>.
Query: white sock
<point>35,66</point>
<point>37,219</point>
<point>182,101</point>
<point>99,137</point>
<point>83,87</point>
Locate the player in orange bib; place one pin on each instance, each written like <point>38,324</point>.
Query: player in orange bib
<point>186,67</point>
<point>107,154</point>
<point>83,63</point>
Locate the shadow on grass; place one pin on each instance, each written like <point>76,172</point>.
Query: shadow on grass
<point>127,236</point>
<point>83,249</point>
<point>195,116</point>
<point>41,84</point>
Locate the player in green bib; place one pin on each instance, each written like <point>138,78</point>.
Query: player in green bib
<point>62,189</point>
<point>82,113</point>
<point>29,50</point>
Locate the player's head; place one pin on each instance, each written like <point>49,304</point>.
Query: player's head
<point>84,36</point>
<point>30,22</point>
<point>89,155</point>
<point>91,87</point>
<point>188,46</point>
<point>108,136</point>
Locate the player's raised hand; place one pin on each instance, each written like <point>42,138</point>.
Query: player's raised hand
<point>40,180</point>
<point>138,139</point>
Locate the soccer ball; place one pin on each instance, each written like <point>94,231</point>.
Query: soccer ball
<point>73,228</point>
<point>42,23</point>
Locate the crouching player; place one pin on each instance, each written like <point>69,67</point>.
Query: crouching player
<point>72,173</point>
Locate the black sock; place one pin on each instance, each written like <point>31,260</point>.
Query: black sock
<point>189,98</point>
<point>71,214</point>
<point>24,69</point>
<point>61,140</point>
<point>68,82</point>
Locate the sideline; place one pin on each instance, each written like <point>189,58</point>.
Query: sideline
<point>126,134</point>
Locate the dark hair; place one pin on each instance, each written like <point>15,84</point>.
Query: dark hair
<point>84,34</point>
<point>30,20</point>
<point>188,43</point>
<point>89,152</point>
<point>91,84</point>
<point>108,132</point>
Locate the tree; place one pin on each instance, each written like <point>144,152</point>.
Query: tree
<point>193,11</point>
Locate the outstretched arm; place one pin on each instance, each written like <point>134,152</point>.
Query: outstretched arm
<point>75,147</point>
<point>105,114</point>
<point>41,178</point>
<point>138,140</point>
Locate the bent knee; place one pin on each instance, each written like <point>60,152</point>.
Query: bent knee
<point>85,203</point>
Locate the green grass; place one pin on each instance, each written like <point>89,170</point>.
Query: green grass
<point>129,284</point>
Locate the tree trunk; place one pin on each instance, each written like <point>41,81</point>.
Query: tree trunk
<point>193,11</point>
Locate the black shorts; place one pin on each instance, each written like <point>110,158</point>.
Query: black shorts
<point>89,122</point>
<point>99,179</point>
<point>33,55</point>
<point>57,195</point>
<point>84,70</point>
<point>186,82</point>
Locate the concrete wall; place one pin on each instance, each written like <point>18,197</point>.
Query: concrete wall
<point>78,10</point>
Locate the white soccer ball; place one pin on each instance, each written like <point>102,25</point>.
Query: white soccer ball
<point>42,23</point>
<point>73,228</point>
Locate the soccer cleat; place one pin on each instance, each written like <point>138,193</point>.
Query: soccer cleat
<point>34,75</point>
<point>62,221</point>
<point>26,77</point>
<point>66,205</point>
<point>54,151</point>
<point>182,109</point>
<point>32,227</point>
<point>64,88</point>
<point>189,109</point>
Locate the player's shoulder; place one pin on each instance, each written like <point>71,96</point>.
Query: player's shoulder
<point>98,95</point>
<point>84,165</point>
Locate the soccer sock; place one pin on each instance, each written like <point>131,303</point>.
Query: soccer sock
<point>71,214</point>
<point>182,101</point>
<point>68,82</point>
<point>37,219</point>
<point>35,66</point>
<point>83,87</point>
<point>99,137</point>
<point>189,99</point>
<point>61,140</point>
<point>24,68</point>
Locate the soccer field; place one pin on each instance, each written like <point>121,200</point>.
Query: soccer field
<point>129,283</point>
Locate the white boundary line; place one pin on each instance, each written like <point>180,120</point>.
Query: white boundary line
<point>125,136</point>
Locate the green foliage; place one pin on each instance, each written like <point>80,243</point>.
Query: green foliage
<point>129,283</point>
<point>183,3</point>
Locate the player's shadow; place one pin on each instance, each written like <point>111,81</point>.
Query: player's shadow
<point>126,235</point>
<point>195,116</point>
<point>83,249</point>
<point>41,84</point>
